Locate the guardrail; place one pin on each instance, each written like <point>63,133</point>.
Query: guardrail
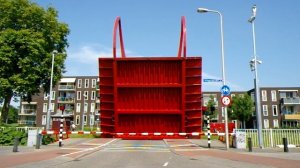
<point>273,137</point>
<point>22,128</point>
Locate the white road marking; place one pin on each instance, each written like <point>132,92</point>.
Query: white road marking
<point>166,164</point>
<point>89,149</point>
<point>188,150</point>
<point>184,145</point>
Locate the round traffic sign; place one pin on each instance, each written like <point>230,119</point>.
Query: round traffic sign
<point>225,100</point>
<point>225,90</point>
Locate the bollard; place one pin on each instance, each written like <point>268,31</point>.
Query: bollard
<point>250,144</point>
<point>16,143</point>
<point>38,141</point>
<point>208,132</point>
<point>285,145</point>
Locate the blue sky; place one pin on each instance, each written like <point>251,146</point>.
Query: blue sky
<point>151,28</point>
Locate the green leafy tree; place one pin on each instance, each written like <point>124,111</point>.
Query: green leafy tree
<point>28,35</point>
<point>12,116</point>
<point>241,108</point>
<point>211,108</point>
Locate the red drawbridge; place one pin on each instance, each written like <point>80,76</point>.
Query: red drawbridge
<point>150,98</point>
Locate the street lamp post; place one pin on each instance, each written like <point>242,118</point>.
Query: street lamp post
<point>50,94</point>
<point>253,65</point>
<point>204,10</point>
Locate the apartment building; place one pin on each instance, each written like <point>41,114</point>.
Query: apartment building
<point>280,106</point>
<point>79,97</point>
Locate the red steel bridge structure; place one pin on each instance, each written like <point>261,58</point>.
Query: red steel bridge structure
<point>152,96</point>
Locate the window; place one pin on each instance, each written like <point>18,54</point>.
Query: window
<point>266,123</point>
<point>45,107</point>
<point>93,95</point>
<point>265,110</point>
<point>86,95</point>
<point>264,95</point>
<point>273,95</point>
<point>92,119</point>
<point>78,107</point>
<point>85,107</point>
<point>86,83</point>
<point>275,123</point>
<point>92,107</point>
<point>44,119</point>
<point>78,95</point>
<point>53,95</point>
<point>223,112</point>
<point>77,120</point>
<point>85,119</point>
<point>274,110</point>
<point>252,96</point>
<point>93,83</point>
<point>52,107</point>
<point>79,84</point>
<point>46,95</point>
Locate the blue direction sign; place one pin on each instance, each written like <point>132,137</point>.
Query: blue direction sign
<point>212,80</point>
<point>225,90</point>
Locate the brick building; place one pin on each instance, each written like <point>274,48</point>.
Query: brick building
<point>78,95</point>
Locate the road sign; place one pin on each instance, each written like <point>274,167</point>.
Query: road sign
<point>225,90</point>
<point>225,100</point>
<point>212,80</point>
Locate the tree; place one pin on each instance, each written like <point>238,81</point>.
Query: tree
<point>211,108</point>
<point>241,108</point>
<point>12,116</point>
<point>28,35</point>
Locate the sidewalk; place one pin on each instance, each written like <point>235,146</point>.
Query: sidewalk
<point>293,154</point>
<point>8,150</point>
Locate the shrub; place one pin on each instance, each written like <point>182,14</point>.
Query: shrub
<point>47,139</point>
<point>8,135</point>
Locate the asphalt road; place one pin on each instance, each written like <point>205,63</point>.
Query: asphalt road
<point>116,153</point>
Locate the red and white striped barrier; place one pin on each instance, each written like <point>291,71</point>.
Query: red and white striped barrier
<point>134,134</point>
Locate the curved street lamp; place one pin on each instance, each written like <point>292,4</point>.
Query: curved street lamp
<point>204,10</point>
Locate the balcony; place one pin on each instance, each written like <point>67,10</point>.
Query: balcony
<point>66,100</point>
<point>290,101</point>
<point>66,87</point>
<point>67,112</point>
<point>26,122</point>
<point>28,112</point>
<point>294,116</point>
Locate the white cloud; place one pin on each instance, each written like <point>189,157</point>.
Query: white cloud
<point>89,53</point>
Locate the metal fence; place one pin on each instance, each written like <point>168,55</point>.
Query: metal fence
<point>273,137</point>
<point>22,128</point>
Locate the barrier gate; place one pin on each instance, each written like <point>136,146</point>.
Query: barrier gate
<point>150,98</point>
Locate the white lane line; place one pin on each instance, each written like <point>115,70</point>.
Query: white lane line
<point>166,164</point>
<point>188,150</point>
<point>92,144</point>
<point>88,149</point>
<point>184,145</point>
